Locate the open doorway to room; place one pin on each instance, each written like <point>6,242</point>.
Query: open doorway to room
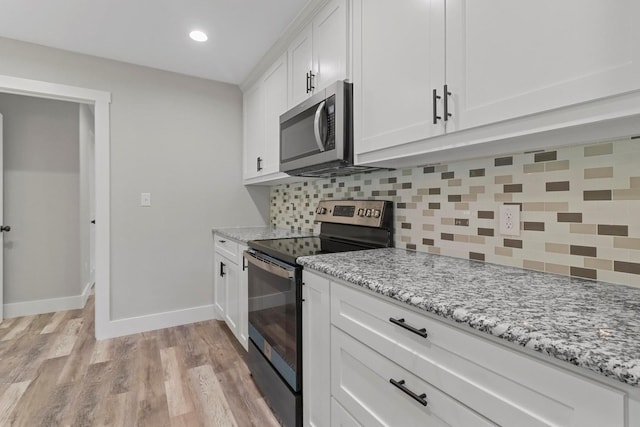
<point>48,162</point>
<point>92,110</point>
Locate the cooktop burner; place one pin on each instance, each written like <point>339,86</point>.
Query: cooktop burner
<point>289,249</point>
<point>346,225</point>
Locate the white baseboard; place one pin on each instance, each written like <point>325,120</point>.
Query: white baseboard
<point>151,322</point>
<point>86,292</point>
<point>41,306</point>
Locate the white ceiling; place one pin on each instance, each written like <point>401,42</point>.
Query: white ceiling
<point>155,33</point>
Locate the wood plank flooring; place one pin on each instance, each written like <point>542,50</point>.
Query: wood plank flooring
<point>54,373</point>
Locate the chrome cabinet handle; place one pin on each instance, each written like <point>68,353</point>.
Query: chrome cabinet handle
<point>422,398</point>
<point>446,95</point>
<point>320,117</point>
<point>311,77</point>
<point>401,322</point>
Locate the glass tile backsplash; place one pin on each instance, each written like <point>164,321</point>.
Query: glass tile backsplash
<point>580,208</point>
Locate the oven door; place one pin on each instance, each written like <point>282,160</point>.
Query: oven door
<point>275,307</point>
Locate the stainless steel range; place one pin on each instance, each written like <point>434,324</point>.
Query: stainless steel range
<point>275,294</point>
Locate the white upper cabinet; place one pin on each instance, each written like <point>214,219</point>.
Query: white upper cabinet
<point>274,87</point>
<point>264,102</point>
<point>253,123</point>
<point>300,67</point>
<point>398,61</point>
<point>330,44</point>
<point>510,70</point>
<point>318,56</point>
<point>509,59</point>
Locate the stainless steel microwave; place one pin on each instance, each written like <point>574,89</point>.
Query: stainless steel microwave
<point>316,136</point>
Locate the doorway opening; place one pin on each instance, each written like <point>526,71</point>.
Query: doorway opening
<point>97,102</point>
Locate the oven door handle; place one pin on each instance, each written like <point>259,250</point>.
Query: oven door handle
<point>269,266</point>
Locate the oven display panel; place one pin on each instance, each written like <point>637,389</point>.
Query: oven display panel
<point>347,211</point>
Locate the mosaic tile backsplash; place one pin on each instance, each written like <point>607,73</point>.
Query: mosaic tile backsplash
<point>580,208</point>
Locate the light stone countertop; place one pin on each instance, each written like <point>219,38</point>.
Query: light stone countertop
<point>244,234</point>
<point>593,325</point>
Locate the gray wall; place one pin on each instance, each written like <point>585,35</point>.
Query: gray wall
<point>41,199</point>
<point>176,137</point>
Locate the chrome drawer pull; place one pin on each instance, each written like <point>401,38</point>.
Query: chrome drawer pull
<point>400,322</point>
<point>422,399</point>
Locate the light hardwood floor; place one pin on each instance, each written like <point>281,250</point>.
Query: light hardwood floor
<point>54,373</point>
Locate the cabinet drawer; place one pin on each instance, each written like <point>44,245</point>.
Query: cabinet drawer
<point>504,385</point>
<point>227,247</point>
<point>361,382</point>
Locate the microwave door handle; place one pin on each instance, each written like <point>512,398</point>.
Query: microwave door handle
<point>316,126</point>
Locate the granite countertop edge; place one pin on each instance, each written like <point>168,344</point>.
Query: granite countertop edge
<point>245,234</point>
<point>626,370</point>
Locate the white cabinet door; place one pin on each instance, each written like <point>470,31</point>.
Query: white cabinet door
<point>316,328</point>
<point>232,284</point>
<point>253,115</point>
<point>330,44</point>
<point>509,59</point>
<point>340,417</point>
<point>398,61</point>
<point>243,300</point>
<point>220,286</point>
<point>300,57</point>
<point>274,89</point>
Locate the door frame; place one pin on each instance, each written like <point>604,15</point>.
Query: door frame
<point>100,100</point>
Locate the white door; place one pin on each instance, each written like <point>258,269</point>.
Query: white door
<point>509,59</point>
<point>316,365</point>
<point>400,62</point>
<point>253,131</point>
<point>274,89</point>
<point>330,44</point>
<point>220,286</point>
<point>300,66</point>
<point>1,220</point>
<point>232,284</point>
<point>92,207</point>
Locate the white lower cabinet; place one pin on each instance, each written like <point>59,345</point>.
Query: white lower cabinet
<point>230,287</point>
<point>464,378</point>
<point>316,325</point>
<point>379,392</point>
<point>503,385</point>
<point>340,417</point>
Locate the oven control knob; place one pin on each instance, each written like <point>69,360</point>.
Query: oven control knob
<point>376,213</point>
<point>368,213</point>
<point>360,212</point>
<point>322,211</point>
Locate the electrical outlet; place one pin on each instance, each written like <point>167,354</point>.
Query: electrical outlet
<point>510,220</point>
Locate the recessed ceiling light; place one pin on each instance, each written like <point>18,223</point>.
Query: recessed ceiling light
<point>198,36</point>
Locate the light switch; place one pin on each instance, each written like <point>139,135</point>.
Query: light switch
<point>145,199</point>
